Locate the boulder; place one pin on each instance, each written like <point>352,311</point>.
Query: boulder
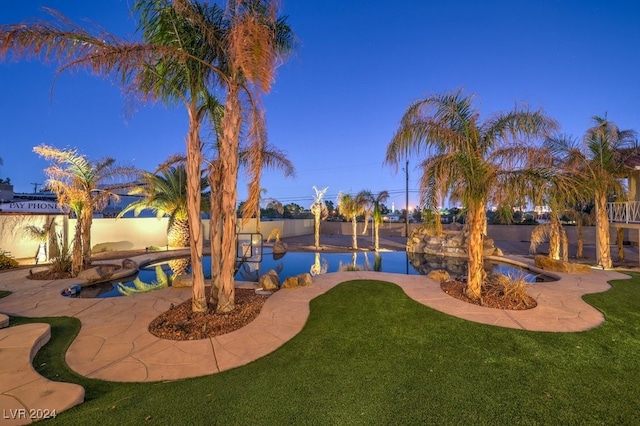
<point>290,282</point>
<point>97,273</point>
<point>455,226</point>
<point>433,241</point>
<point>415,239</point>
<point>488,243</point>
<point>182,280</point>
<point>269,281</point>
<point>432,250</point>
<point>488,251</point>
<point>304,280</point>
<point>455,251</point>
<point>548,264</point>
<point>129,264</point>
<point>279,247</point>
<point>439,275</point>
<point>454,241</point>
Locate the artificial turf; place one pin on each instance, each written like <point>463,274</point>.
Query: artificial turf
<point>371,355</point>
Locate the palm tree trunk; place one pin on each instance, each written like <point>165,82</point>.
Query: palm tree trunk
<point>317,212</point>
<point>376,236</point>
<point>554,236</point>
<point>476,274</point>
<point>194,166</point>
<point>215,230</point>
<point>366,224</point>
<point>438,223</point>
<point>229,156</point>
<point>565,244</point>
<point>354,227</point>
<point>178,233</point>
<point>76,250</point>
<point>580,249</point>
<point>87,219</point>
<point>620,241</point>
<point>603,246</point>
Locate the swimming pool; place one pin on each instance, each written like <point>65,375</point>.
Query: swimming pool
<point>158,275</point>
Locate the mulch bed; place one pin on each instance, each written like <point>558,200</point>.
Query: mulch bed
<point>180,323</point>
<point>457,289</point>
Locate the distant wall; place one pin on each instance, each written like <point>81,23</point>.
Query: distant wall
<point>126,234</point>
<point>523,233</point>
<point>138,233</point>
<point>286,227</point>
<point>12,234</point>
<point>122,234</point>
<point>497,232</point>
<point>386,229</point>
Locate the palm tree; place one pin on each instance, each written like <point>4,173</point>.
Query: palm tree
<point>351,207</point>
<point>580,214</point>
<point>188,49</point>
<point>84,187</point>
<point>377,201</point>
<point>42,235</point>
<point>372,208</point>
<point>366,198</point>
<point>255,39</point>
<point>186,26</point>
<point>475,161</point>
<point>144,67</point>
<point>560,193</point>
<point>601,164</point>
<point>249,41</point>
<point>165,193</point>
<point>320,212</point>
<point>255,158</point>
<point>276,205</point>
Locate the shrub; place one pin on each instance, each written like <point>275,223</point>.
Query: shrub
<point>511,289</point>
<point>62,261</point>
<point>6,261</point>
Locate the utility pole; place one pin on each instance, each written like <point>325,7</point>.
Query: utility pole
<point>406,217</point>
<point>35,186</point>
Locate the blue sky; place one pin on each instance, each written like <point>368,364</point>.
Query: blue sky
<point>338,100</point>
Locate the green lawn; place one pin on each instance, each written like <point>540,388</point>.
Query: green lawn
<point>371,355</point>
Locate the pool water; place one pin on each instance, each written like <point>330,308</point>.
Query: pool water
<point>158,275</point>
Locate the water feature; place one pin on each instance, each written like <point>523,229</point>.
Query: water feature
<point>158,275</point>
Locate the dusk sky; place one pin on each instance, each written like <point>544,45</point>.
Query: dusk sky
<point>338,100</point>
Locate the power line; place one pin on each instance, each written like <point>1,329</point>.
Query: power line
<point>304,198</point>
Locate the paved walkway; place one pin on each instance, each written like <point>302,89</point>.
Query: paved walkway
<point>114,342</point>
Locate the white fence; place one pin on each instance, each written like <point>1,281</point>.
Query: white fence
<point>628,212</point>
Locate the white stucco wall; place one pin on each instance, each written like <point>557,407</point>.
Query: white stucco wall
<point>121,234</point>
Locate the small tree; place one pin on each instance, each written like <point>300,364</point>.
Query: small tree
<point>83,187</point>
<point>599,164</point>
<point>374,207</point>
<point>320,212</point>
<point>165,193</point>
<point>351,207</point>
<point>41,235</point>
